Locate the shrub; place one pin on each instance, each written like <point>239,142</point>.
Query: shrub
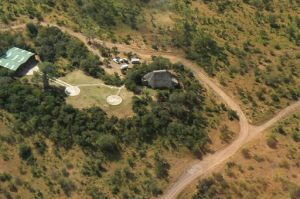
<point>152,187</point>
<point>284,164</point>
<point>36,171</point>
<point>96,193</point>
<point>226,134</point>
<point>161,167</point>
<point>232,115</point>
<point>41,146</point>
<point>281,130</point>
<point>9,138</point>
<point>258,158</point>
<point>5,177</point>
<point>67,186</point>
<point>13,187</point>
<point>25,152</point>
<point>231,165</point>
<point>92,168</point>
<point>295,193</point>
<point>212,187</point>
<point>296,136</point>
<point>272,142</point>
<point>246,153</point>
<point>32,30</point>
<point>108,145</point>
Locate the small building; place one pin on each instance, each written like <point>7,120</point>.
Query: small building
<point>160,79</point>
<point>135,61</point>
<point>17,59</point>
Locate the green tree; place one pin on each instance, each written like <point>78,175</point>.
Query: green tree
<point>48,71</point>
<point>161,167</point>
<point>25,153</point>
<point>108,145</point>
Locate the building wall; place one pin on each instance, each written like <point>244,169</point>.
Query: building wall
<point>24,68</point>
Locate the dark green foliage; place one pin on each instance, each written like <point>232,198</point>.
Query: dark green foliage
<point>32,30</point>
<point>260,4</point>
<point>67,186</point>
<point>9,40</point>
<point>246,153</point>
<point>110,13</point>
<point>161,167</point>
<point>5,177</point>
<point>46,112</point>
<point>8,138</point>
<point>296,136</point>
<point>25,152</point>
<point>205,51</point>
<point>197,44</point>
<point>222,5</point>
<point>36,171</point>
<point>108,145</point>
<point>96,193</point>
<point>12,187</point>
<point>40,145</point>
<point>6,193</point>
<point>48,71</point>
<point>152,187</point>
<point>52,44</point>
<point>92,168</point>
<point>232,115</point>
<point>178,114</point>
<point>212,187</point>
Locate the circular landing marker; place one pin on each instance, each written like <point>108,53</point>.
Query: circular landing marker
<point>114,100</point>
<point>72,91</point>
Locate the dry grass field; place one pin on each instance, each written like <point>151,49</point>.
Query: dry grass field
<point>262,169</point>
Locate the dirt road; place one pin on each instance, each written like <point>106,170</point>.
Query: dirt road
<point>247,132</point>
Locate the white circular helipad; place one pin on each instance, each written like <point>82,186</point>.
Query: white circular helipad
<point>72,91</point>
<point>114,100</point>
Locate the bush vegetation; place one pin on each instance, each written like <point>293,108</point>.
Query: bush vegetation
<point>216,41</point>
<point>178,115</point>
<point>235,182</point>
<point>103,15</point>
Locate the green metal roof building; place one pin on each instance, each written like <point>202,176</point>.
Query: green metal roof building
<point>15,57</point>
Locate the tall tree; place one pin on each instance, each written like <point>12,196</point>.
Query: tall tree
<point>48,71</point>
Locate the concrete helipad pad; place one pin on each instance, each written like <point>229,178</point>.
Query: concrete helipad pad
<point>72,91</point>
<point>114,100</point>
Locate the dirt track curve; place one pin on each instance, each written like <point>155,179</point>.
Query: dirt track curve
<point>200,167</point>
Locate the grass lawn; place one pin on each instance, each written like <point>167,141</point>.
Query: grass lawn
<point>96,95</point>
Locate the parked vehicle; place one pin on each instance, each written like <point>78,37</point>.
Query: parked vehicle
<point>116,60</point>
<point>126,60</point>
<point>124,66</point>
<point>135,61</point>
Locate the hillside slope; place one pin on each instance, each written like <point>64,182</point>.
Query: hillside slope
<point>51,149</point>
<point>267,168</point>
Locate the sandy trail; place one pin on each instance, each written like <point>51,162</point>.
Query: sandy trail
<point>200,167</point>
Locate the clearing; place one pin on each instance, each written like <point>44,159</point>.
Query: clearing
<point>93,92</point>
